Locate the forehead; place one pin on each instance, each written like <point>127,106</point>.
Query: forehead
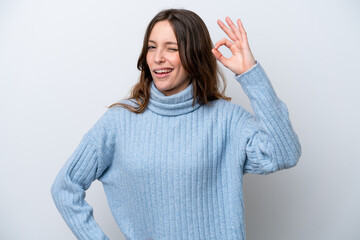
<point>162,32</point>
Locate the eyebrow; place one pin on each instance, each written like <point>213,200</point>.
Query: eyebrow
<point>166,43</point>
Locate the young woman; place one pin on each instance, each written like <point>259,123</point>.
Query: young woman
<point>172,157</point>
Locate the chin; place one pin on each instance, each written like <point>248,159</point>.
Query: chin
<point>162,85</point>
<point>164,88</point>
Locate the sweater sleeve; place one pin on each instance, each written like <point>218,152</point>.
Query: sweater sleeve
<point>267,138</point>
<point>86,164</point>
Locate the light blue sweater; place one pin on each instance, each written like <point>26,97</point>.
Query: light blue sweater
<point>176,170</point>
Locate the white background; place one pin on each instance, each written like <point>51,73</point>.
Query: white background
<point>62,62</point>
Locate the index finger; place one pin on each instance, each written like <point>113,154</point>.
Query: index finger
<point>226,30</point>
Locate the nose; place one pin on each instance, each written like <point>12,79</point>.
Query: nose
<point>159,58</point>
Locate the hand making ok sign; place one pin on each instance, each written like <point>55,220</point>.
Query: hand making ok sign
<point>242,58</point>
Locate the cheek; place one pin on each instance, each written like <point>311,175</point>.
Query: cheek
<point>176,62</point>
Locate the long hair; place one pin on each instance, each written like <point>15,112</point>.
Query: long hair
<point>195,45</point>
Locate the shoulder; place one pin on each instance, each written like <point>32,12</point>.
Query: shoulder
<point>110,117</point>
<point>223,106</point>
<point>226,112</point>
<point>226,115</point>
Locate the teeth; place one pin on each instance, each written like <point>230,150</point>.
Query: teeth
<point>163,71</point>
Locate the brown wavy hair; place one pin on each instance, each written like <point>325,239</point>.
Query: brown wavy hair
<point>194,44</point>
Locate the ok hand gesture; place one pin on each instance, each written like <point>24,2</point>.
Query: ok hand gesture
<point>242,58</point>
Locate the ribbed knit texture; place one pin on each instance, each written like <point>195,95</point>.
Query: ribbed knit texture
<point>176,170</point>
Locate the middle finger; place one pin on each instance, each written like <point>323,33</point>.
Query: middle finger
<point>226,30</point>
<point>235,30</point>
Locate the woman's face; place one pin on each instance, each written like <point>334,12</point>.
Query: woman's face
<point>163,60</point>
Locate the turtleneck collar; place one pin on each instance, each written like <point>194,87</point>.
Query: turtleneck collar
<point>177,104</point>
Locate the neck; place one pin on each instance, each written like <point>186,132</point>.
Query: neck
<point>172,105</point>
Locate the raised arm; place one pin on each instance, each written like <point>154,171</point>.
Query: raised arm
<point>267,138</point>
<point>86,164</point>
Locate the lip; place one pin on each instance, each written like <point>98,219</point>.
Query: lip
<point>162,75</point>
<point>163,68</point>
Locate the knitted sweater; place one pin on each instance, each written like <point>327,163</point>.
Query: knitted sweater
<point>176,170</point>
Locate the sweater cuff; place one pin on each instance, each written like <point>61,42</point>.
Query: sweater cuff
<point>237,75</point>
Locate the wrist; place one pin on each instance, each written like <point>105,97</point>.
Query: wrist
<point>247,69</point>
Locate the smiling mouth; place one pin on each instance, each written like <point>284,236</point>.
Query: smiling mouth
<point>162,73</point>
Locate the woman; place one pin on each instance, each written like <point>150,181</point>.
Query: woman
<point>172,157</point>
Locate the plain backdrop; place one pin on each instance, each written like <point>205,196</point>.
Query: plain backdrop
<point>63,62</point>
